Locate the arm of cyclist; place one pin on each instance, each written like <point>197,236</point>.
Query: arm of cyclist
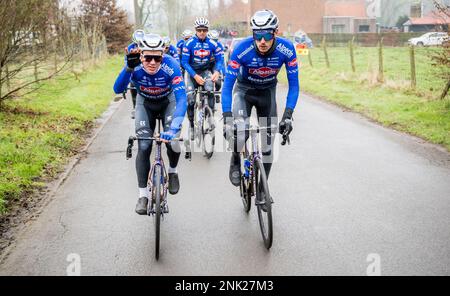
<point>133,59</point>
<point>185,58</point>
<point>122,81</point>
<point>218,55</point>
<point>179,90</point>
<point>232,73</point>
<point>285,126</point>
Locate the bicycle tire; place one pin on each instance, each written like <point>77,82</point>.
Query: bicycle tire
<point>157,194</point>
<point>208,120</point>
<point>264,216</point>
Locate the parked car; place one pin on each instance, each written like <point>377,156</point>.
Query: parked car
<point>429,39</point>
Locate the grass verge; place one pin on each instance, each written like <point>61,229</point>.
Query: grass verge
<point>392,103</point>
<point>39,132</point>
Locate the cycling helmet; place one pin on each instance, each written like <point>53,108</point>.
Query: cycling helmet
<point>213,34</point>
<point>152,42</point>
<point>166,41</point>
<point>201,22</point>
<point>137,36</point>
<point>264,19</point>
<point>187,34</point>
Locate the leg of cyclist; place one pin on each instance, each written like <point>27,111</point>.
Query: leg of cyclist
<point>209,86</point>
<point>144,125</point>
<point>266,110</point>
<point>173,148</point>
<point>242,110</point>
<point>133,98</point>
<point>191,85</point>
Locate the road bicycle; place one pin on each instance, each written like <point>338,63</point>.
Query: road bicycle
<point>254,182</point>
<point>158,182</point>
<point>204,124</point>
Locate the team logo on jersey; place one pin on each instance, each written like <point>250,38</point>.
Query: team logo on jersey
<point>201,53</point>
<point>154,90</point>
<point>177,80</point>
<point>233,64</point>
<point>185,49</point>
<point>263,72</point>
<point>293,63</point>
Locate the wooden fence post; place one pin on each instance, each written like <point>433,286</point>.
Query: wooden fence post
<point>380,61</point>
<point>412,61</point>
<point>352,56</point>
<point>310,59</point>
<point>324,45</point>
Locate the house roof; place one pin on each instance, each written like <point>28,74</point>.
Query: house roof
<point>434,18</point>
<point>353,8</point>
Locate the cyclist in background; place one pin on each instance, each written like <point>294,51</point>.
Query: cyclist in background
<point>214,35</point>
<point>133,47</point>
<point>170,49</point>
<point>255,64</point>
<point>180,44</point>
<point>161,91</point>
<point>197,57</point>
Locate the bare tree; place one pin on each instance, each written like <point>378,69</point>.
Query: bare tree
<point>28,33</point>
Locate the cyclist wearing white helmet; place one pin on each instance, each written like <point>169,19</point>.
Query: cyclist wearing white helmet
<point>170,49</point>
<point>180,44</point>
<point>133,47</point>
<point>197,57</point>
<point>161,91</point>
<point>214,35</point>
<point>255,64</point>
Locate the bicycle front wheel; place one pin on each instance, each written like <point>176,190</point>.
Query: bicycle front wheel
<point>263,203</point>
<point>156,194</point>
<point>208,133</point>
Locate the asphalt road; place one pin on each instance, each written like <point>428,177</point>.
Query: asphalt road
<point>344,189</point>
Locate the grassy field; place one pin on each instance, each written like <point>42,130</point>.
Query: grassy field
<point>40,131</point>
<point>392,103</point>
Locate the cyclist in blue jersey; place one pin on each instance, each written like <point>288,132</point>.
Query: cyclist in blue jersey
<point>170,49</point>
<point>133,47</point>
<point>214,35</point>
<point>198,53</point>
<point>185,36</point>
<point>161,92</point>
<point>251,80</point>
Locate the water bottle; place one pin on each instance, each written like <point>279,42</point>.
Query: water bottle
<point>247,168</point>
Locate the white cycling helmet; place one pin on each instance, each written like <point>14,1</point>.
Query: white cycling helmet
<point>264,19</point>
<point>187,34</point>
<point>213,34</point>
<point>152,42</point>
<point>137,36</point>
<point>166,41</point>
<point>201,22</point>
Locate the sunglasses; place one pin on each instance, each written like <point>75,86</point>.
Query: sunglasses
<point>266,35</point>
<point>202,30</point>
<point>156,58</point>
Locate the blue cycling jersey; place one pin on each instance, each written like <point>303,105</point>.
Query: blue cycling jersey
<point>173,52</point>
<point>180,45</point>
<point>198,55</point>
<point>168,79</point>
<point>222,69</point>
<point>260,71</point>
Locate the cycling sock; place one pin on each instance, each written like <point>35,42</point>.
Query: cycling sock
<point>143,192</point>
<point>173,170</point>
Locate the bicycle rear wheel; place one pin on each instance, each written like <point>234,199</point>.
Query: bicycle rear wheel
<point>263,203</point>
<point>156,194</point>
<point>208,132</point>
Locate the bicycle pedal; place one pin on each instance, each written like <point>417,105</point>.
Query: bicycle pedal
<point>166,209</point>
